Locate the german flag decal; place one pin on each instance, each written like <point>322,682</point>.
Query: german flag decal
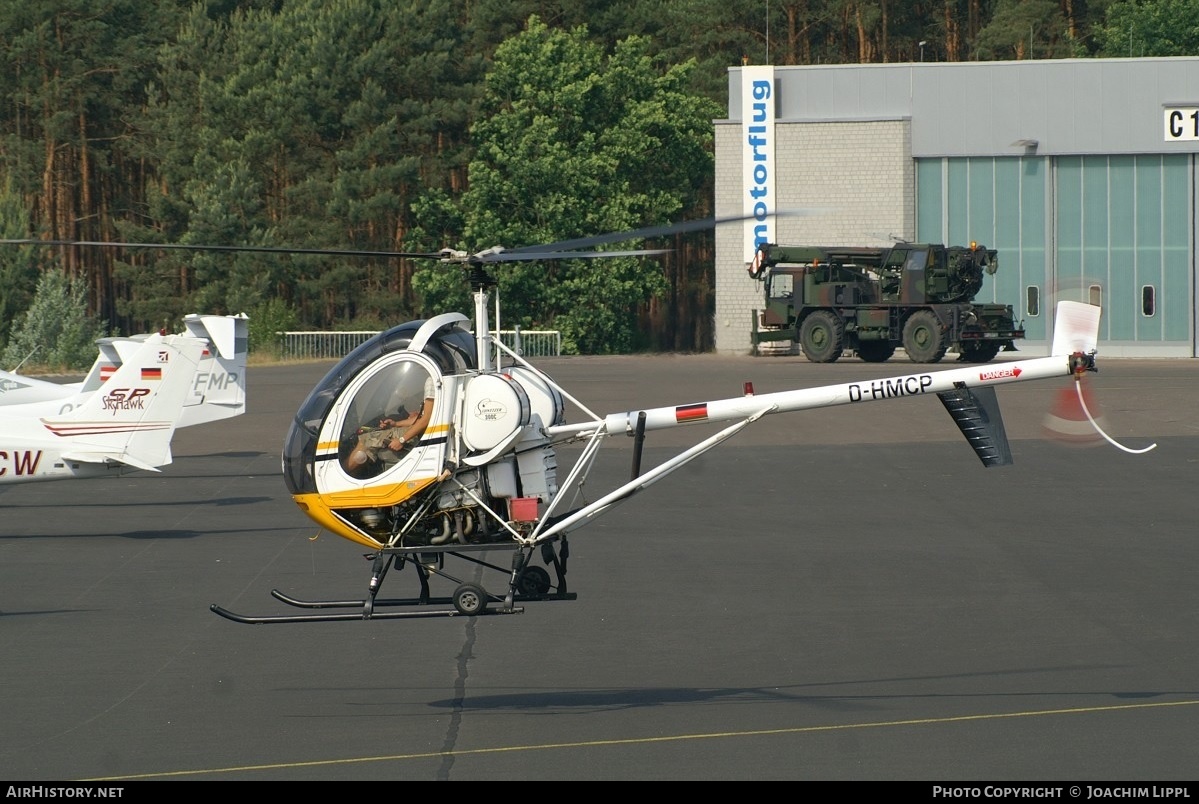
<point>691,413</point>
<point>151,374</point>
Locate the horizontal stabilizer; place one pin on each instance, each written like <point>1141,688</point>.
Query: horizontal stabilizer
<point>976,413</point>
<point>227,333</point>
<point>109,459</point>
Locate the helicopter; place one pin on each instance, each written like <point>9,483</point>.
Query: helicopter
<point>125,424</point>
<point>217,391</point>
<point>473,471</point>
<point>483,476</point>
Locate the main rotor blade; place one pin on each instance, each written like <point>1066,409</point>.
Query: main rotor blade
<point>515,255</point>
<point>561,250</point>
<point>502,255</point>
<point>665,230</point>
<point>435,255</point>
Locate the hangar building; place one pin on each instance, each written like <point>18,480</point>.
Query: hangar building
<point>1081,172</point>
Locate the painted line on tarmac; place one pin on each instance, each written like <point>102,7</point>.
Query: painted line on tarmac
<point>647,740</point>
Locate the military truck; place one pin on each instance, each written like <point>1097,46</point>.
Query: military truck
<point>871,301</point>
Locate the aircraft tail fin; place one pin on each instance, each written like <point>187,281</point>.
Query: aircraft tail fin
<point>132,416</point>
<point>1075,328</point>
<point>103,367</point>
<point>976,413</point>
<point>219,389</point>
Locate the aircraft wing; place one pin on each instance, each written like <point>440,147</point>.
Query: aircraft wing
<point>17,389</point>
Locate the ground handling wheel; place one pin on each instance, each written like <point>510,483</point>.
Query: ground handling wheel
<point>470,599</point>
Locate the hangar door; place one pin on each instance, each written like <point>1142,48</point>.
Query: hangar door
<point>1123,241</point>
<point>1115,231</point>
<point>1000,203</point>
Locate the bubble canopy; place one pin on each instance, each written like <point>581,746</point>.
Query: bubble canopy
<point>451,348</point>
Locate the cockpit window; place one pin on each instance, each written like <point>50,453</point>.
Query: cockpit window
<point>394,394</point>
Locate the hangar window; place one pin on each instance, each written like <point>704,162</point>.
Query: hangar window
<point>1148,300</point>
<point>1032,301</point>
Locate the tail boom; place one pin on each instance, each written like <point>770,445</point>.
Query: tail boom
<point>875,390</point>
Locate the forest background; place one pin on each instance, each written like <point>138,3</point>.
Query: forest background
<point>392,126</point>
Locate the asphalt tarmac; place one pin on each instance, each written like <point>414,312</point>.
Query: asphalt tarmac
<point>841,594</point>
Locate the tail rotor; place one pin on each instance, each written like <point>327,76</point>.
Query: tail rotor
<point>1076,334</point>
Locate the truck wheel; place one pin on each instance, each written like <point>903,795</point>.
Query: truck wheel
<point>876,351</point>
<point>980,352</point>
<point>822,337</point>
<point>925,340</point>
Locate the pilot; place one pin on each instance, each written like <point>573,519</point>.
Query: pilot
<point>393,435</point>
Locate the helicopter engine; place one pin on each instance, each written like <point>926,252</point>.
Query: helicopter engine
<point>459,509</point>
<point>468,507</point>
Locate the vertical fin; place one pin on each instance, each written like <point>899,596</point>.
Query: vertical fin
<point>219,389</point>
<point>131,417</point>
<point>103,367</point>
<point>1075,328</point>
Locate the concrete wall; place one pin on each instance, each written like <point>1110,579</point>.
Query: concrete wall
<point>853,182</point>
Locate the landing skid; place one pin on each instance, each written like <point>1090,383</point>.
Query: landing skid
<point>362,606</point>
<point>526,583</point>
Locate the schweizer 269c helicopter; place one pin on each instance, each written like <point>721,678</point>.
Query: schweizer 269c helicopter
<point>474,472</point>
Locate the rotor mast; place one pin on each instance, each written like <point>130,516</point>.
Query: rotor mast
<point>481,283</point>
<point>482,331</point>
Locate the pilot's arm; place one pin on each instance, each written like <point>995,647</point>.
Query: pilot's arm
<point>388,422</point>
<point>411,429</point>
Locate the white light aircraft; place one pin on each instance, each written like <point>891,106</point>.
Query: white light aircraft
<point>126,424</point>
<point>217,391</point>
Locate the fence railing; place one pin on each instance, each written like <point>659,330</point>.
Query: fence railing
<point>318,345</point>
<point>531,342</point>
<point>335,345</point>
